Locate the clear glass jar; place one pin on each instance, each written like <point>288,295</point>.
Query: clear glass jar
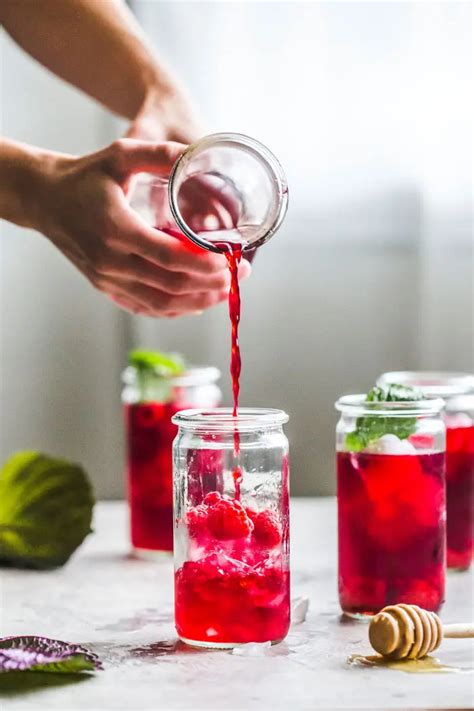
<point>391,504</point>
<point>458,391</point>
<point>226,189</point>
<point>150,401</point>
<point>232,579</point>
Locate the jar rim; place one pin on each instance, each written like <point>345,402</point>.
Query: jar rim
<point>221,419</point>
<point>357,405</point>
<point>433,383</point>
<point>192,377</point>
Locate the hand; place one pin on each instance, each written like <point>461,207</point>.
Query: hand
<point>166,116</point>
<point>83,210</point>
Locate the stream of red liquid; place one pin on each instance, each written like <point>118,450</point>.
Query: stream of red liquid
<point>233,253</point>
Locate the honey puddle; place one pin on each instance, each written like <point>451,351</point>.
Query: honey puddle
<point>427,665</point>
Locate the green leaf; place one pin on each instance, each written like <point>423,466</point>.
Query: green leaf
<point>164,364</point>
<point>370,428</point>
<point>154,371</point>
<point>45,510</point>
<point>28,653</point>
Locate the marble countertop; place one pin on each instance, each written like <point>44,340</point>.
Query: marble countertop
<point>122,609</point>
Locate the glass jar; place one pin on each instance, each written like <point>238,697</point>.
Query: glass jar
<point>391,504</point>
<point>458,391</point>
<point>232,579</point>
<point>150,401</point>
<point>226,189</point>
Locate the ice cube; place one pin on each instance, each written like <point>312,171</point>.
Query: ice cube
<point>299,610</point>
<point>391,444</point>
<point>252,649</point>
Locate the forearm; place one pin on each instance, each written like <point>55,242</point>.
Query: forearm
<point>96,45</point>
<point>24,172</point>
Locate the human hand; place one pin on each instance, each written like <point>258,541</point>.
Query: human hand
<point>166,116</point>
<point>82,208</point>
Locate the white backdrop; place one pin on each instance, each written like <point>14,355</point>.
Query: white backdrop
<point>368,107</point>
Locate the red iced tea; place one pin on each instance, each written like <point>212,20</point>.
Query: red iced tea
<point>391,530</point>
<point>151,400</point>
<point>233,253</point>
<point>457,389</point>
<point>460,495</point>
<point>150,435</point>
<point>235,586</point>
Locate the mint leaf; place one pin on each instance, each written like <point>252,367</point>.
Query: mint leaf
<point>45,510</point>
<point>164,364</point>
<point>370,428</point>
<point>394,393</point>
<point>43,654</point>
<point>154,370</point>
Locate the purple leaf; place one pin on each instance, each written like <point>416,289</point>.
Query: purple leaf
<point>43,654</point>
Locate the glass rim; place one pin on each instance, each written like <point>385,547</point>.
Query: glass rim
<point>221,419</point>
<point>357,405</point>
<point>191,377</point>
<point>433,383</point>
<point>257,148</point>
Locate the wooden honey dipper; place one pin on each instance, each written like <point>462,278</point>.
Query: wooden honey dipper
<point>409,632</point>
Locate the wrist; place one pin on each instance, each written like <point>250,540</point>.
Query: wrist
<point>166,114</point>
<point>25,174</point>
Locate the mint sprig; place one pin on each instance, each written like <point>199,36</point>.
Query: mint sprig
<point>370,428</point>
<point>164,364</point>
<point>154,371</point>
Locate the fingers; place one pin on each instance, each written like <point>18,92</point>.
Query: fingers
<point>125,157</point>
<point>141,287</point>
<point>143,299</point>
<point>133,235</point>
<point>162,293</point>
<point>136,269</point>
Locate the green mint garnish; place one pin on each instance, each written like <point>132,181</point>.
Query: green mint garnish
<point>154,370</point>
<point>370,428</point>
<point>164,364</point>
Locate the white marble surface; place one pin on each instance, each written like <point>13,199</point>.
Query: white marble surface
<point>122,609</point>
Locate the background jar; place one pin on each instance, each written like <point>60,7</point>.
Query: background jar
<point>150,401</point>
<point>391,504</point>
<point>458,391</point>
<point>231,554</point>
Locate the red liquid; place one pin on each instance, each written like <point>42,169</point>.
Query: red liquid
<point>233,256</point>
<point>234,590</point>
<point>391,511</point>
<point>150,435</point>
<point>233,253</point>
<point>460,495</point>
<point>177,234</point>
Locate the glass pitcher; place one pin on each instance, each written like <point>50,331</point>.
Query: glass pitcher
<point>225,189</point>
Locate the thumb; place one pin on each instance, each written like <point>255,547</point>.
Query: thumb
<point>125,157</point>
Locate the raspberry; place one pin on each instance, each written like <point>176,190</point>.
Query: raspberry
<point>267,528</point>
<point>212,498</point>
<point>196,520</point>
<point>251,513</point>
<point>227,519</point>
